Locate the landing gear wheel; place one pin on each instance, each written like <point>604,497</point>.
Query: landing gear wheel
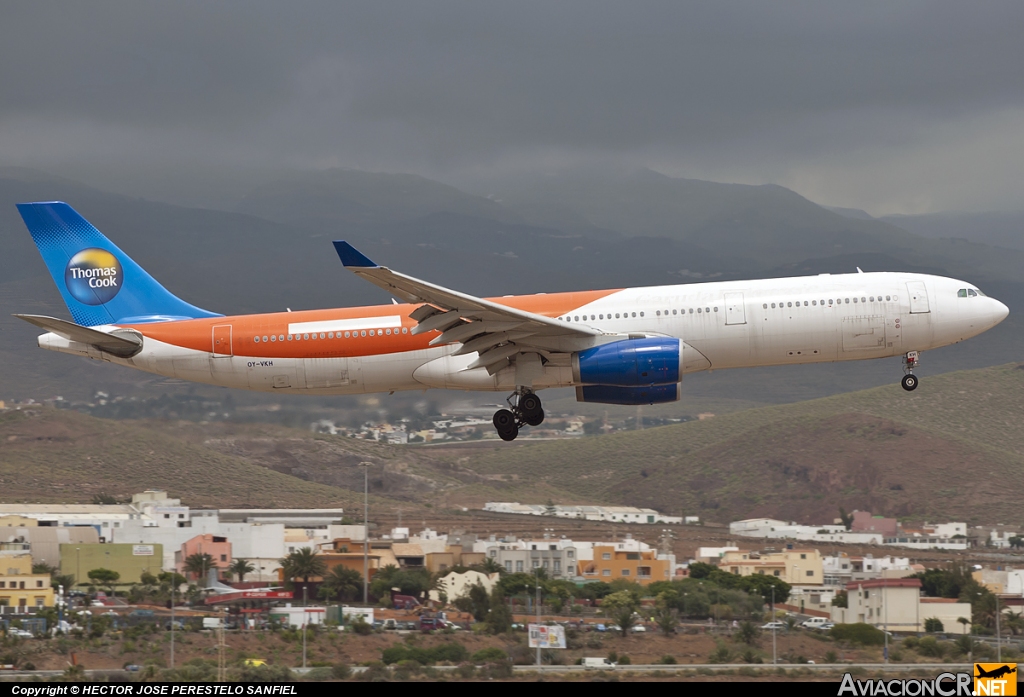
<point>510,434</point>
<point>504,420</point>
<point>535,419</point>
<point>909,382</point>
<point>529,405</point>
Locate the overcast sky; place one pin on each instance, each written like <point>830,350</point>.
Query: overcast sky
<point>892,106</point>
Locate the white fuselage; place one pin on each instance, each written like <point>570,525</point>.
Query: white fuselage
<point>731,324</point>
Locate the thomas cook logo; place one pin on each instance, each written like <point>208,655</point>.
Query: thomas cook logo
<point>93,276</point>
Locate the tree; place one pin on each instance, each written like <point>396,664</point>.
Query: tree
<point>66,580</point>
<point>499,617</point>
<point>241,567</point>
<point>847,519</point>
<point>620,606</point>
<point>147,579</point>
<point>341,583</point>
<point>749,632</point>
<point>479,601</point>
<point>1017,542</point>
<point>104,577</point>
<point>665,614</point>
<point>933,625</point>
<point>200,565</point>
<point>699,569</point>
<point>303,563</point>
<point>104,499</point>
<point>490,566</point>
<point>840,599</point>
<point>43,568</point>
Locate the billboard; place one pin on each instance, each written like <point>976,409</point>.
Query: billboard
<point>143,550</point>
<point>546,637</point>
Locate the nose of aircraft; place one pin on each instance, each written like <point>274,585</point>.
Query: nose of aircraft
<point>999,311</point>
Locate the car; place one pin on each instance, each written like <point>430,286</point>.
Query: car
<point>178,625</point>
<point>97,603</point>
<point>638,629</point>
<point>20,633</point>
<point>827,626</point>
<point>774,625</point>
<point>133,668</point>
<point>254,662</point>
<point>613,628</point>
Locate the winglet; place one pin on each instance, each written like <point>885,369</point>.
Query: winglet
<point>350,256</point>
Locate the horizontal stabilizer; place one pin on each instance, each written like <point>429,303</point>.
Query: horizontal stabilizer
<point>125,346</point>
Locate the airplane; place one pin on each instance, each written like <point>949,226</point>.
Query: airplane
<point>995,672</point>
<point>625,346</point>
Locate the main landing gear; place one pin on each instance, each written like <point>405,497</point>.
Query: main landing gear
<point>524,410</point>
<point>910,361</point>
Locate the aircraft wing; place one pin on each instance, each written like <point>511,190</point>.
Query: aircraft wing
<point>126,345</point>
<point>495,331</point>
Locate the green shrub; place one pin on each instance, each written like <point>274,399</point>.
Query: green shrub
<point>929,646</point>
<point>910,643</point>
<point>625,660</point>
<point>340,671</point>
<point>666,660</point>
<point>491,654</point>
<point>858,633</point>
<point>933,624</point>
<point>452,652</point>
<point>319,675</point>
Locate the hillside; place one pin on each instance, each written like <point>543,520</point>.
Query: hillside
<point>953,449</point>
<point>65,456</point>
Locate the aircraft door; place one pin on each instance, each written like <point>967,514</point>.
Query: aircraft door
<point>734,309</point>
<point>222,347</point>
<point>918,297</point>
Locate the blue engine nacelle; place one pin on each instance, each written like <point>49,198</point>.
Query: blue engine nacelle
<point>630,363</point>
<point>609,394</point>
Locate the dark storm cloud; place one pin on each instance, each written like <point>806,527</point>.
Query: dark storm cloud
<point>787,92</point>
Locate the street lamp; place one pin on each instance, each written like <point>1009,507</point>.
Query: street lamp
<point>366,531</point>
<point>775,659</point>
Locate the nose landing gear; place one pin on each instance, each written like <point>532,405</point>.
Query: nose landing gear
<point>910,361</point>
<point>525,409</point>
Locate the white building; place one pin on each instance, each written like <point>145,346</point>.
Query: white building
<point>457,585</point>
<point>769,528</point>
<point>617,514</point>
<point>896,604</point>
<point>713,554</point>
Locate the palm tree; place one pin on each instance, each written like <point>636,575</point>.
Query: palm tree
<point>303,563</point>
<point>490,566</point>
<point>241,567</point>
<point>341,583</point>
<point>200,565</point>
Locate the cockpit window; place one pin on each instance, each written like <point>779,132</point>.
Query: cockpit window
<point>971,292</point>
<point>962,293</point>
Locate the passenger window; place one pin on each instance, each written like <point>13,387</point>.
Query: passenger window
<point>405,330</point>
<point>863,299</point>
<point>371,332</point>
<point>855,300</point>
<point>789,304</point>
<point>634,314</point>
<point>616,315</point>
<point>814,302</point>
<point>577,318</point>
<point>805,303</point>
<point>658,313</point>
<point>773,306</point>
<point>888,297</point>
<point>847,301</point>
<point>691,310</point>
<point>675,312</point>
<point>830,301</point>
<point>388,331</point>
<point>972,293</point>
<point>321,335</point>
<point>273,337</point>
<point>289,337</point>
<point>698,310</point>
<point>593,317</point>
<point>362,333</point>
<point>765,306</point>
<point>347,335</point>
<point>716,308</point>
<point>330,335</point>
<point>641,314</point>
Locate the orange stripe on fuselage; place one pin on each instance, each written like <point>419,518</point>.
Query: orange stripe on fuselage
<point>197,334</point>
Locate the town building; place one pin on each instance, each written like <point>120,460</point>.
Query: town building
<point>457,585</point>
<point>617,514</point>
<point>626,560</point>
<point>841,569</point>
<point>22,591</point>
<point>794,566</point>
<point>44,543</point>
<point>556,556</point>
<point>896,605</point>
<point>128,560</point>
<point>219,549</point>
<point>769,528</point>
